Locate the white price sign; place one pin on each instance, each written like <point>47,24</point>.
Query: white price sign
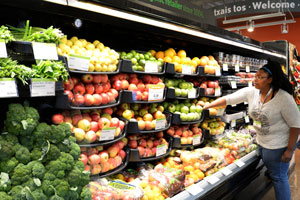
<point>247,68</point>
<point>42,87</point>
<point>239,163</point>
<point>3,51</point>
<point>212,179</point>
<point>107,134</point>
<point>160,123</point>
<point>225,67</point>
<point>250,84</point>
<point>192,93</point>
<point>187,69</point>
<point>220,111</point>
<point>44,51</point>
<point>233,84</point>
<point>194,189</point>
<point>151,67</point>
<point>233,123</point>
<point>196,139</point>
<point>247,120</point>
<point>234,105</point>
<point>156,92</point>
<point>217,92</point>
<point>79,62</point>
<point>8,88</point>
<point>226,171</point>
<point>218,72</point>
<point>237,68</point>
<point>161,149</point>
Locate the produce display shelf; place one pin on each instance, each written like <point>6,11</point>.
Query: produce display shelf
<point>126,66</point>
<point>207,115</point>
<point>102,143</point>
<point>132,127</point>
<point>177,144</point>
<point>234,116</point>
<point>171,93</point>
<point>113,171</point>
<point>238,84</point>
<point>62,102</point>
<point>135,156</point>
<point>129,96</point>
<point>219,184</point>
<point>207,135</point>
<point>241,69</point>
<point>176,119</point>
<point>170,69</point>
<point>88,72</point>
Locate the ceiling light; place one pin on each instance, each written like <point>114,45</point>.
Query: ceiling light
<point>251,26</point>
<point>284,28</point>
<point>256,17</point>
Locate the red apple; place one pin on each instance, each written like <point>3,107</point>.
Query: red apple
<point>117,85</point>
<point>106,87</point>
<point>114,122</point>
<point>95,116</point>
<point>120,143</point>
<point>70,95</point>
<point>83,158</point>
<point>141,125</point>
<point>122,154</point>
<point>132,87</point>
<point>98,88</point>
<point>94,126</point>
<point>90,89</point>
<point>141,87</point>
<point>76,118</point>
<point>104,78</point>
<point>155,80</point>
<point>103,156</point>
<point>134,80</point>
<point>145,96</point>
<point>142,143</point>
<point>104,98</point>
<point>97,99</point>
<point>68,85</point>
<point>141,151</point>
<point>108,111</point>
<point>111,97</point>
<point>114,92</point>
<point>89,99</point>
<point>79,89</point>
<point>125,84</point>
<point>103,123</point>
<point>78,100</point>
<point>105,167</point>
<point>121,124</point>
<point>57,119</point>
<point>133,144</point>
<point>147,79</point>
<point>87,78</point>
<point>74,80</point>
<point>113,151</point>
<point>96,170</point>
<point>149,143</point>
<point>87,168</point>
<point>97,78</point>
<point>148,125</point>
<point>155,143</point>
<point>94,159</point>
<point>87,116</point>
<point>90,136</point>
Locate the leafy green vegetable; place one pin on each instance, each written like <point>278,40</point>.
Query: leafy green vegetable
<point>5,34</point>
<point>51,69</point>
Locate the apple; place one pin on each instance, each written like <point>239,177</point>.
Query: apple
<point>114,122</point>
<point>87,168</point>
<point>141,125</point>
<point>177,92</point>
<point>83,158</point>
<point>57,119</point>
<point>87,78</point>
<point>143,112</point>
<point>120,143</point>
<point>145,96</point>
<point>76,118</point>
<point>171,132</point>
<point>147,79</point>
<point>133,144</point>
<point>90,89</point>
<point>108,111</point>
<point>114,92</point>
<point>203,85</point>
<point>160,134</point>
<point>103,157</point>
<point>79,134</point>
<point>113,151</point>
<point>143,143</point>
<point>149,143</point>
<point>122,154</point>
<point>148,117</point>
<point>107,116</point>
<point>153,151</point>
<point>158,115</point>
<point>97,99</point>
<point>127,114</point>
<point>125,84</point>
<point>104,78</point>
<point>95,116</point>
<point>112,163</point>
<point>183,140</point>
<point>103,123</point>
<point>184,109</point>
<point>98,88</point>
<point>155,80</point>
<point>106,87</point>
<point>104,98</point>
<point>70,95</point>
<point>105,167</point>
<point>90,136</point>
<point>86,116</point>
<point>148,125</point>
<point>141,87</point>
<point>141,151</point>
<point>89,99</point>
<point>111,97</point>
<point>132,87</point>
<point>117,85</point>
<point>178,132</point>
<point>125,141</point>
<point>121,124</point>
<point>171,108</point>
<point>94,126</point>
<point>74,80</point>
<point>78,100</point>
<point>134,80</point>
<point>96,170</point>
<point>97,78</point>
<point>84,124</point>
<point>68,119</point>
<point>155,143</point>
<point>68,85</point>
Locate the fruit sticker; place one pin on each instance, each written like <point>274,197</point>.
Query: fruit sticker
<point>42,87</point>
<point>225,67</point>
<point>187,69</point>
<point>237,68</point>
<point>3,51</point>
<point>161,149</point>
<point>192,93</point>
<point>107,134</point>
<point>79,62</point>
<point>196,139</point>
<point>8,87</point>
<point>151,67</point>
<point>160,123</point>
<point>156,92</point>
<point>194,189</point>
<point>44,51</point>
<point>247,68</point>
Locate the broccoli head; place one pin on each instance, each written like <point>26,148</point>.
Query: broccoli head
<point>52,154</point>
<point>8,166</point>
<point>79,164</point>
<point>75,150</point>
<point>5,184</point>
<point>28,126</point>
<point>27,142</point>
<point>20,174</point>
<point>39,195</point>
<point>37,169</point>
<point>36,153</point>
<point>41,133</point>
<point>6,149</point>
<point>57,168</point>
<point>85,194</point>
<point>17,192</point>
<point>57,134</point>
<point>10,138</point>
<point>16,112</point>
<point>61,187</point>
<point>67,159</point>
<point>4,196</point>
<point>72,194</point>
<point>46,187</point>
<point>78,178</point>
<point>31,185</point>
<point>49,176</point>
<point>32,113</point>
<point>23,155</point>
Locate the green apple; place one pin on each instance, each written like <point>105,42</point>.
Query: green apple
<point>142,112</point>
<point>183,117</point>
<point>160,108</point>
<point>190,117</point>
<point>176,82</point>
<point>193,108</point>
<point>170,83</point>
<point>185,109</point>
<point>199,109</point>
<point>184,92</point>
<point>175,102</point>
<point>153,105</point>
<point>190,85</point>
<point>178,107</point>
<point>135,106</point>
<point>177,112</point>
<point>171,108</point>
<point>197,116</point>
<point>165,105</point>
<point>188,104</point>
<point>183,85</point>
<point>177,92</point>
<point>152,110</point>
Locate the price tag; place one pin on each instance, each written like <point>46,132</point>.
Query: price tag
<point>3,51</point>
<point>234,105</point>
<point>218,72</point>
<point>79,62</point>
<point>160,123</point>
<point>161,149</point>
<point>237,68</point>
<point>8,87</point>
<point>42,87</point>
<point>225,67</point>
<point>107,134</point>
<point>257,124</point>
<point>187,69</point>
<point>196,139</point>
<point>217,92</point>
<point>192,93</point>
<point>156,92</point>
<point>247,68</point>
<point>247,120</point>
<point>233,123</point>
<point>151,67</point>
<point>44,51</point>
<point>239,163</point>
<point>194,189</point>
<point>212,179</point>
<point>250,84</point>
<point>220,111</point>
<point>233,84</point>
<point>226,171</point>
<point>246,103</point>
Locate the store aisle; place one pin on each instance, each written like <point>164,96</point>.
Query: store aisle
<point>294,181</point>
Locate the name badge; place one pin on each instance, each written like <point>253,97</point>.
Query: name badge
<point>257,124</point>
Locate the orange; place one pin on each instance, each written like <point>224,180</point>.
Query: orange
<point>199,174</point>
<point>194,177</point>
<point>194,63</point>
<point>210,57</point>
<point>203,62</point>
<point>196,59</point>
<point>153,52</point>
<point>188,168</point>
<point>173,50</point>
<point>168,59</point>
<point>205,57</point>
<point>181,53</point>
<point>160,54</point>
<point>176,59</point>
<point>169,53</point>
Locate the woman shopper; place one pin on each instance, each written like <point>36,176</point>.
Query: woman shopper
<point>276,121</point>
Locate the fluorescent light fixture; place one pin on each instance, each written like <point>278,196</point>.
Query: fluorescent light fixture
<point>262,25</point>
<point>251,26</point>
<point>165,25</point>
<point>284,28</point>
<point>62,2</point>
<point>252,18</point>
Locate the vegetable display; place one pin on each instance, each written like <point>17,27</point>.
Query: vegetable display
<point>39,161</point>
<point>51,69</point>
<point>5,34</point>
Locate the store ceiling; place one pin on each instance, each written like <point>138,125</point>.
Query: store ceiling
<point>207,4</point>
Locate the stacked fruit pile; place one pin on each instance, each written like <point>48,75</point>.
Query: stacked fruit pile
<point>90,90</point>
<point>215,126</point>
<point>100,160</point>
<point>185,132</point>
<point>102,58</point>
<point>182,87</point>
<point>147,144</point>
<point>216,111</point>
<point>211,87</point>
<point>88,127</point>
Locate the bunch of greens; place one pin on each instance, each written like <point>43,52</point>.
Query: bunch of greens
<point>39,161</point>
<point>51,69</point>
<point>5,34</point>
<point>11,69</point>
